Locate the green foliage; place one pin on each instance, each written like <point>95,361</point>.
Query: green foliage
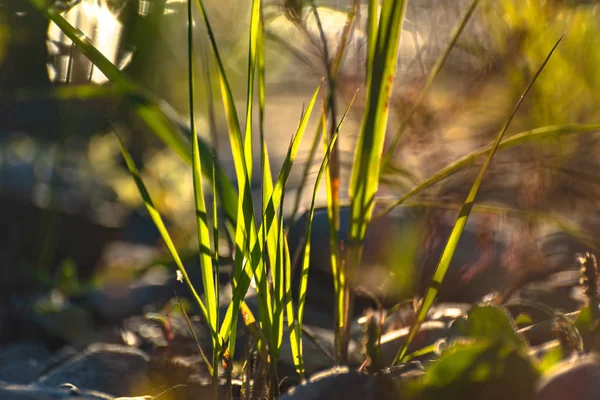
<point>489,359</point>
<point>569,90</point>
<point>381,64</point>
<point>481,370</point>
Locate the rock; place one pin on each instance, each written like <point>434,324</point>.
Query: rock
<point>52,317</point>
<point>23,362</point>
<point>118,302</point>
<point>5,322</point>
<point>21,225</point>
<point>200,387</point>
<point>577,378</point>
<point>37,392</point>
<point>150,292</point>
<point>342,383</point>
<point>112,369</point>
<point>400,253</point>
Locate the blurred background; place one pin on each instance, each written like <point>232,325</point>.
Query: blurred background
<point>71,216</point>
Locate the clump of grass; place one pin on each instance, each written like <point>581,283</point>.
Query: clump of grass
<point>261,251</point>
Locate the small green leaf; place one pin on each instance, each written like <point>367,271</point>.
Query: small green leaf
<point>523,320</point>
<point>551,358</point>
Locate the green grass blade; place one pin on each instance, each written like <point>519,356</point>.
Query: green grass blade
<point>332,77</point>
<point>293,327</point>
<point>260,271</point>
<point>338,273</point>
<point>235,135</point>
<point>215,213</point>
<point>372,20</point>
<point>278,290</point>
<point>430,78</point>
<point>274,241</point>
<point>339,287</point>
<point>206,263</point>
<point>255,35</point>
<point>306,252</point>
<point>245,232</point>
<point>364,181</point>
<point>193,332</point>
<point>543,133</point>
<point>432,348</point>
<point>461,221</point>
<point>243,280</point>
<point>65,93</point>
<point>306,172</point>
<point>365,172</point>
<point>295,323</point>
<point>505,211</point>
<point>267,179</point>
<point>146,107</point>
<point>160,226</point>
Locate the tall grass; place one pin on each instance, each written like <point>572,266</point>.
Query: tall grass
<point>254,245</point>
<point>461,221</point>
<point>261,252</point>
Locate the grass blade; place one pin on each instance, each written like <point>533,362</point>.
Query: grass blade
<point>193,332</point>
<point>533,135</point>
<point>333,220</point>
<point>306,172</point>
<point>255,36</point>
<point>218,345</point>
<point>430,78</point>
<point>278,290</point>
<point>146,107</point>
<point>383,57</point>
<point>338,274</point>
<point>295,323</point>
<point>293,327</point>
<point>160,226</point>
<point>306,252</point>
<point>332,78</point>
<point>372,21</point>
<point>243,280</point>
<point>365,172</point>
<point>235,135</point>
<point>260,271</point>
<point>206,264</point>
<point>519,214</point>
<point>461,221</point>
<point>245,232</point>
